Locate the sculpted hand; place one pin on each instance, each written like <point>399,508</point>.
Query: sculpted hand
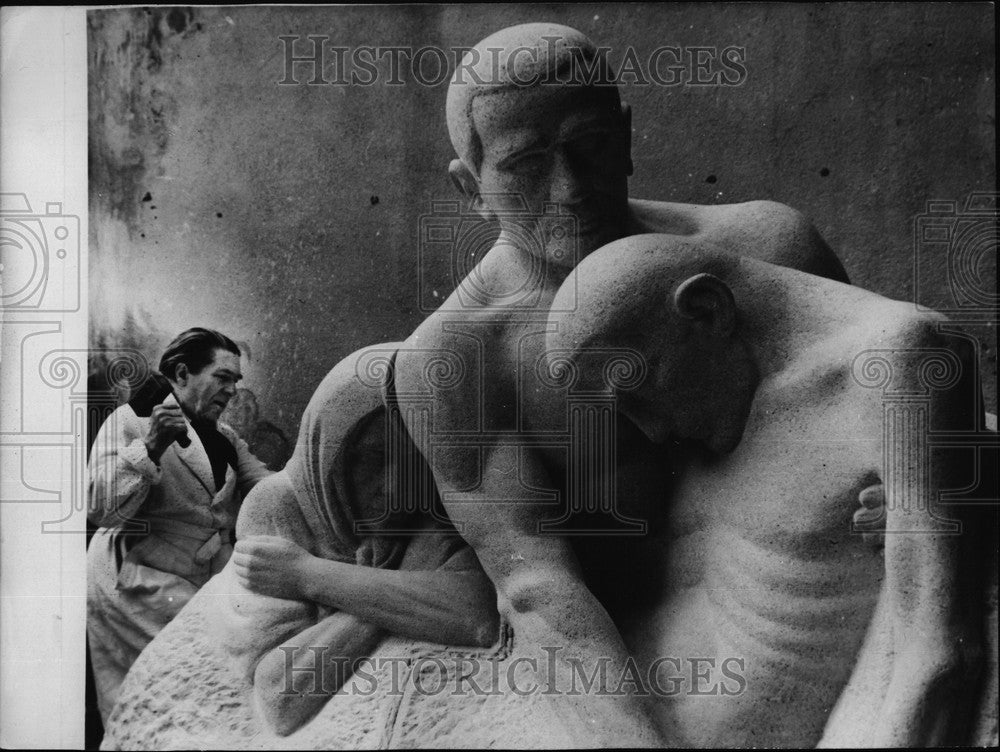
<point>870,519</point>
<point>166,425</point>
<point>272,566</point>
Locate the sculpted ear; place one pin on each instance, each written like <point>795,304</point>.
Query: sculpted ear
<point>707,299</point>
<point>467,184</point>
<point>627,125</point>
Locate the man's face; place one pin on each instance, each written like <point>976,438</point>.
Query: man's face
<point>566,145</point>
<point>204,395</point>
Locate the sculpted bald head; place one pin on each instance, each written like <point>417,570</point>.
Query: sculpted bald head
<point>518,57</point>
<point>636,288</point>
<point>669,306</point>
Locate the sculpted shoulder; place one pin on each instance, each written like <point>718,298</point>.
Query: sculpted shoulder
<point>717,220</point>
<point>451,344</point>
<point>910,351</point>
<point>896,324</point>
<point>868,322</point>
<point>924,335</point>
<point>765,230</point>
<point>480,323</point>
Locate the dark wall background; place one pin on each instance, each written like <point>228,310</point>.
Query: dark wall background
<point>287,216</point>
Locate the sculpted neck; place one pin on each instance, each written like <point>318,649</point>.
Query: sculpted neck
<point>783,313</point>
<point>516,264</point>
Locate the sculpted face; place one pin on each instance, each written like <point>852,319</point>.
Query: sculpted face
<point>699,387</point>
<point>560,144</point>
<point>204,395</point>
<point>368,472</point>
<point>648,408</point>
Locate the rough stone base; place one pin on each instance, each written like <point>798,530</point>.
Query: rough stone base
<point>181,694</point>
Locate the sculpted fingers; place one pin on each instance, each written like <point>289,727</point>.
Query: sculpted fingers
<point>872,497</point>
<point>259,545</point>
<point>241,569</point>
<point>262,542</point>
<point>869,520</point>
<point>269,565</point>
<point>252,573</point>
<point>246,545</point>
<point>246,558</point>
<point>249,555</point>
<point>243,564</point>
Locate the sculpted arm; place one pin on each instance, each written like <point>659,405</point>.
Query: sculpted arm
<point>453,603</point>
<point>292,651</point>
<point>538,579</point>
<point>297,656</point>
<point>933,629</point>
<point>249,470</point>
<point>439,594</point>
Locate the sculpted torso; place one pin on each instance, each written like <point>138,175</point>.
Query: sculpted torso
<point>517,421</point>
<point>761,572</point>
<point>500,346</point>
<point>761,567</point>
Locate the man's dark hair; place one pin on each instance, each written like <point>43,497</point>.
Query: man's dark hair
<point>195,348</point>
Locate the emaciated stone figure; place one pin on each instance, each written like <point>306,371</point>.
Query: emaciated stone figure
<point>772,381</point>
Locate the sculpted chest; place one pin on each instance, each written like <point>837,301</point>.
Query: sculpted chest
<point>496,375</point>
<point>782,490</point>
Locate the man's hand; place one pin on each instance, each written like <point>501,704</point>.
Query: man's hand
<point>166,425</point>
<point>272,566</point>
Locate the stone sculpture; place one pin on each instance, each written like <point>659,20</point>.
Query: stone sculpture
<point>775,385</point>
<point>503,433</point>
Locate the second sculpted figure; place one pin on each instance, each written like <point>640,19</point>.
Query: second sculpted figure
<point>771,385</point>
